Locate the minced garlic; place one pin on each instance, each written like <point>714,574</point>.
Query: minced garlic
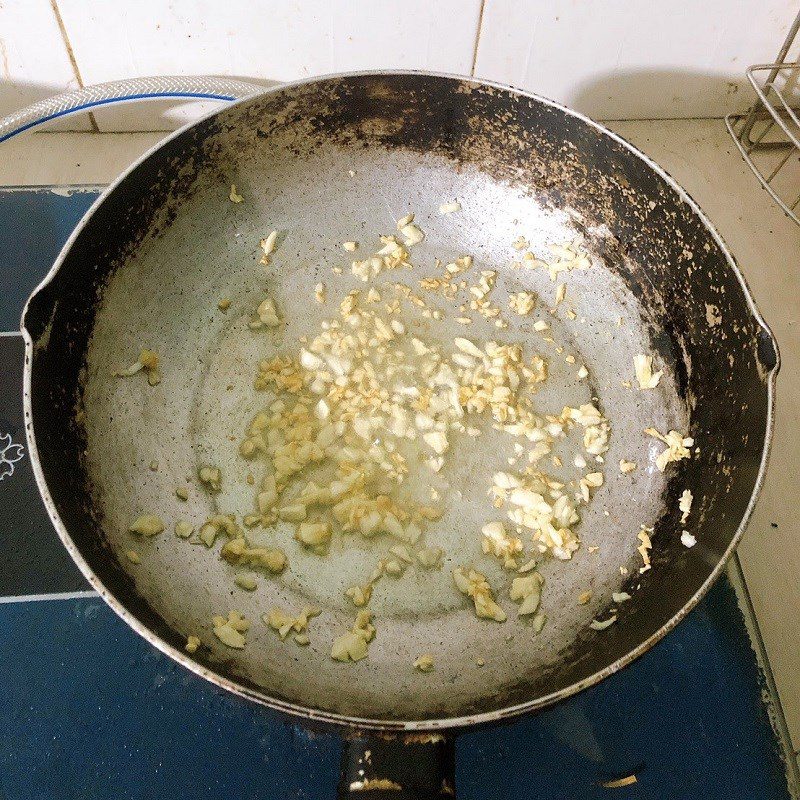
<point>597,625</point>
<point>424,663</point>
<point>211,478</point>
<point>358,405</point>
<point>687,540</point>
<point>430,557</point>
<point>568,256</point>
<point>359,595</point>
<point>352,646</point>
<point>497,542</point>
<point>522,302</point>
<point>148,361</point>
<point>473,584</point>
<point>246,582</point>
<point>643,366</point>
<point>313,534</point>
<point>231,631</point>
<point>538,622</point>
<point>520,243</point>
<point>268,246</point>
<point>527,590</point>
<point>677,447</point>
<point>147,525</point>
<point>284,623</point>
<point>267,315</point>
<point>644,547</point>
<point>235,551</point>
<point>685,505</point>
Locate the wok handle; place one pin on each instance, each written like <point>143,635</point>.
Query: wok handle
<point>410,767</point>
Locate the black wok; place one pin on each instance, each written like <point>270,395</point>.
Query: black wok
<point>147,266</point>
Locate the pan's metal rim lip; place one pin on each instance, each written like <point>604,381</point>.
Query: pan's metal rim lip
<point>308,714</point>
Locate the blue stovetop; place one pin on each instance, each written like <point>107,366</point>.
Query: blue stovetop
<point>90,710</point>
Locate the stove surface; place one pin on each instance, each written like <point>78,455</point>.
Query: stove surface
<point>90,710</point>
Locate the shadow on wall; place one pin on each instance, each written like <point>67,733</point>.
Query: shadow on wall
<point>662,94</point>
<point>151,115</point>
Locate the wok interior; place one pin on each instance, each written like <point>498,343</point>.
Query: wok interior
<point>167,245</point>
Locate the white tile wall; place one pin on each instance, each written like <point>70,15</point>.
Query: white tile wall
<point>34,61</point>
<point>268,39</point>
<point>612,59</point>
<point>633,59</point>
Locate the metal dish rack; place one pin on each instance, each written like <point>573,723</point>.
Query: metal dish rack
<point>768,136</point>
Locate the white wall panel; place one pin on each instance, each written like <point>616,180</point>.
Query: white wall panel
<point>612,59</point>
<point>633,59</point>
<point>274,40</point>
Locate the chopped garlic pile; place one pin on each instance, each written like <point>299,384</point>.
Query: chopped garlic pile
<point>365,399</point>
<point>393,255</point>
<point>536,502</point>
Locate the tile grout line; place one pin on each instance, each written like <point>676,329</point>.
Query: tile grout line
<point>71,55</point>
<point>477,37</point>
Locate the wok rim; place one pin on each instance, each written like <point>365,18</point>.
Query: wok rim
<point>311,714</point>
